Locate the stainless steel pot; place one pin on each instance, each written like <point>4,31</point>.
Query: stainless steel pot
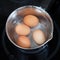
<point>16,17</point>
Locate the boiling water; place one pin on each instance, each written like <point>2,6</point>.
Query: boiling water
<point>42,26</point>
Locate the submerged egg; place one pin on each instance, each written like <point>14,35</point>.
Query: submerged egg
<point>39,37</point>
<point>23,41</point>
<point>22,29</point>
<point>31,20</point>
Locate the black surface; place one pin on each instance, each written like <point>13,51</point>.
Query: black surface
<point>6,7</point>
<point>55,14</point>
<point>14,53</point>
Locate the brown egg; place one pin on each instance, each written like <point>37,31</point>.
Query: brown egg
<point>39,37</point>
<point>31,20</point>
<point>23,41</point>
<point>22,29</point>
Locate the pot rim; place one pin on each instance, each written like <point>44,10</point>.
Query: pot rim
<point>51,36</point>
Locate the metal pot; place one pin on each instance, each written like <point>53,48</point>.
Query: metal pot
<point>16,17</point>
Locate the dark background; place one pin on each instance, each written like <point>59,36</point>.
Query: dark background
<point>7,6</point>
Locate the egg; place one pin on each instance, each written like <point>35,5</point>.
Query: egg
<point>31,20</point>
<point>23,41</point>
<point>39,36</point>
<point>22,29</point>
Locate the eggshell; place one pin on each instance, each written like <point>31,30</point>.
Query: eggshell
<point>31,20</point>
<point>39,37</point>
<point>22,29</point>
<point>23,41</point>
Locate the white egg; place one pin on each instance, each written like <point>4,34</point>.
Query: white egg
<point>39,36</point>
